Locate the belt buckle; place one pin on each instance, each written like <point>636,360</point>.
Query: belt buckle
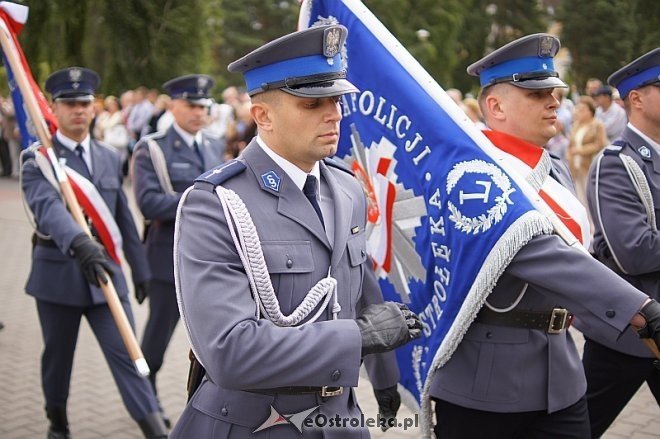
<point>325,392</point>
<point>558,319</point>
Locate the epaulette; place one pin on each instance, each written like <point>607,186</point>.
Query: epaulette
<point>211,136</point>
<point>221,173</point>
<point>614,149</point>
<point>105,145</point>
<point>33,147</point>
<point>154,135</point>
<point>553,155</point>
<point>338,165</point>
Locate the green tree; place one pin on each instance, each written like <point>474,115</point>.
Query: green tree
<point>128,42</point>
<point>646,16</point>
<point>427,28</point>
<point>151,41</point>
<point>247,24</point>
<point>489,24</point>
<point>600,36</point>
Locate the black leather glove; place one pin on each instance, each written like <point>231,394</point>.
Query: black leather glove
<point>389,402</point>
<point>386,326</point>
<point>92,259</point>
<point>141,289</point>
<point>651,312</point>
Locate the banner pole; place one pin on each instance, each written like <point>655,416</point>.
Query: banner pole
<point>108,289</point>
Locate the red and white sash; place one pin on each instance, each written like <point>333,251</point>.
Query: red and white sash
<point>92,205</point>
<point>534,163</point>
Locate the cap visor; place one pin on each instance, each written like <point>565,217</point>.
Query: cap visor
<point>322,89</point>
<point>202,102</point>
<point>537,84</point>
<point>75,98</point>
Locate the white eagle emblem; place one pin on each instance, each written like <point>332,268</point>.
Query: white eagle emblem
<point>332,41</point>
<point>75,74</point>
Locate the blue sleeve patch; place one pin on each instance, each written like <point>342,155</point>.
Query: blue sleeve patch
<point>222,173</point>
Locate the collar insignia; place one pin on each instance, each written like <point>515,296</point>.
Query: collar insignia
<point>644,152</point>
<point>271,180</point>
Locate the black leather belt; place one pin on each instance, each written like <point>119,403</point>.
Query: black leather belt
<point>36,240</point>
<point>553,322</point>
<point>301,390</point>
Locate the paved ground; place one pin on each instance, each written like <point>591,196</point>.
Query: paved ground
<point>95,409</point>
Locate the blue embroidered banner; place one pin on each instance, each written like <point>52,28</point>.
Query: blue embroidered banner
<point>444,219</point>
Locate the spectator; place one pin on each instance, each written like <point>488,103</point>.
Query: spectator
<point>612,116</point>
<point>111,128</point>
<point>593,85</point>
<point>471,108</point>
<point>587,139</point>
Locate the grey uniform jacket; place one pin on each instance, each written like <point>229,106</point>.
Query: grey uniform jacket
<point>624,240</point>
<point>183,166</point>
<point>241,353</point>
<point>507,369</point>
<point>55,275</point>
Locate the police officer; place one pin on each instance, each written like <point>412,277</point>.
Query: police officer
<point>624,186</point>
<point>66,263</point>
<point>517,373</point>
<point>164,165</point>
<point>268,344</point>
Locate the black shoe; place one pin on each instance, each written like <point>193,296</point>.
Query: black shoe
<point>59,424</point>
<point>166,420</point>
<point>58,435</point>
<point>2,325</point>
<point>152,426</point>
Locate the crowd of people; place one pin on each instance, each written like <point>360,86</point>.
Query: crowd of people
<point>516,373</point>
<point>122,121</point>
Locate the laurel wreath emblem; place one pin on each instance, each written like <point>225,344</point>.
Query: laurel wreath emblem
<point>493,215</point>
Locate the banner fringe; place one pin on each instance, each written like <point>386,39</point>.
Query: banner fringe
<point>526,227</point>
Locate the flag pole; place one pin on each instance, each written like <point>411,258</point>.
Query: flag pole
<point>39,123</point>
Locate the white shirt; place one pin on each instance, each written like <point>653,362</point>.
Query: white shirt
<point>295,173</point>
<point>299,177</point>
<point>187,137</point>
<point>71,144</point>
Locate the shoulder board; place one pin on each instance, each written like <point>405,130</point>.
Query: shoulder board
<point>222,173</point>
<point>152,136</point>
<point>553,155</point>
<point>613,149</point>
<point>210,135</point>
<point>156,135</point>
<point>104,145</point>
<point>338,165</point>
<point>34,147</point>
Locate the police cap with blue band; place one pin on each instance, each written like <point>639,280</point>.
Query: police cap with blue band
<point>526,62</point>
<point>73,84</point>
<point>192,88</point>
<point>644,71</point>
<point>306,63</point>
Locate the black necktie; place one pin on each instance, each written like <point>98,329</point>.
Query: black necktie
<point>309,189</point>
<point>195,147</point>
<point>81,152</point>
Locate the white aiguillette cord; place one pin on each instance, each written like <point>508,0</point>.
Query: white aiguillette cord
<point>246,240</point>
